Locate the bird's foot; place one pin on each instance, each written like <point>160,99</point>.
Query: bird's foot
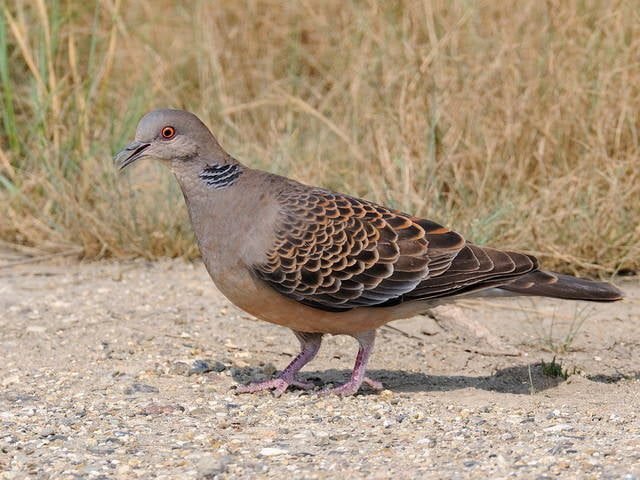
<point>279,385</point>
<point>352,387</point>
<point>373,384</point>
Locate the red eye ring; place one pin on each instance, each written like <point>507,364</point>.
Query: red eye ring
<point>168,132</point>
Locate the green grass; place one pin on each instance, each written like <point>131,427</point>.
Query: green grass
<point>554,369</point>
<point>516,123</point>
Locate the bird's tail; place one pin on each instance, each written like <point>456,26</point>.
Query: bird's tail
<point>549,284</point>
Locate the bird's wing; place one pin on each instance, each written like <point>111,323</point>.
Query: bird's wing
<point>475,268</point>
<point>337,252</point>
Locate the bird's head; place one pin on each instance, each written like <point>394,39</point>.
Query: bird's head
<point>169,135</point>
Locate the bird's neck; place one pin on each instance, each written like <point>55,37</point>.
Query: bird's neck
<point>225,211</point>
<point>202,176</point>
<point>207,187</point>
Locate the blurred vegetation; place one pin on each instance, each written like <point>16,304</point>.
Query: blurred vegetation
<point>514,122</point>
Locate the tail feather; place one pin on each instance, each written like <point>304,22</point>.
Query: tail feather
<point>549,284</point>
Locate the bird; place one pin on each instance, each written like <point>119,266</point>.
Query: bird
<point>322,262</point>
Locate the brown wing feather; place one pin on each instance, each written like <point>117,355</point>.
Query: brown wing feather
<point>474,268</point>
<point>551,284</point>
<point>337,252</point>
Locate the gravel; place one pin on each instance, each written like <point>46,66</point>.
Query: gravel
<point>127,370</point>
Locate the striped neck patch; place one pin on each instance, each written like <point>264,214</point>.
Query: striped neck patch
<point>220,176</point>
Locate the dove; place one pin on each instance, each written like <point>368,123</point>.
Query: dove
<point>322,262</point>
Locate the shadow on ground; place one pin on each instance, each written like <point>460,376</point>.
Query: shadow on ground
<point>522,380</point>
<point>615,378</point>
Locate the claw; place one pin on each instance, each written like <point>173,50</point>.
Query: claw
<point>278,385</point>
<point>352,387</point>
<point>373,384</point>
<point>303,385</point>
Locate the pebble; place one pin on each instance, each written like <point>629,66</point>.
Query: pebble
<point>561,427</point>
<point>36,329</point>
<point>272,452</point>
<point>141,388</point>
<point>205,366</point>
<point>155,409</point>
<point>9,380</point>
<point>427,442</point>
<point>209,466</point>
<point>180,368</point>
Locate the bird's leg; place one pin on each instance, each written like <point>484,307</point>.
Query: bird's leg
<point>366,341</point>
<point>309,346</point>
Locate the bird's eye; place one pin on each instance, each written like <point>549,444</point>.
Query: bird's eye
<point>168,132</point>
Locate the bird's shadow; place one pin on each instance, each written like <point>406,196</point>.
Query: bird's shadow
<point>613,378</point>
<point>521,380</point>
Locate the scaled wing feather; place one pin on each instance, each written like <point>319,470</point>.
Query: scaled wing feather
<point>337,252</point>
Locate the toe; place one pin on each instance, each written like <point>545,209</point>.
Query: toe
<point>303,385</point>
<point>281,388</point>
<point>344,390</point>
<point>373,384</point>
<point>352,387</point>
<point>276,384</point>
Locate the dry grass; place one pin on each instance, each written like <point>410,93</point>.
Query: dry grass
<point>514,122</point>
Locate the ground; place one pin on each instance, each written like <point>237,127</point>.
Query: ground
<point>127,370</point>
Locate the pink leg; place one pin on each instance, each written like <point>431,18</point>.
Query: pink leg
<point>358,377</point>
<point>309,346</point>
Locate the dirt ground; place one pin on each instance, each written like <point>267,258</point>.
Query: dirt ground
<point>127,370</point>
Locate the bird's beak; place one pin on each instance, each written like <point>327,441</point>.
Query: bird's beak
<point>130,154</point>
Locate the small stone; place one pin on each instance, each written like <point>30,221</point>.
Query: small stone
<point>561,427</point>
<point>427,441</point>
<point>475,420</point>
<point>122,469</point>
<point>272,451</point>
<point>205,366</point>
<point>385,395</point>
<point>201,411</point>
<point>141,388</point>
<point>155,409</point>
<point>560,448</point>
<point>46,433</point>
<point>180,368</point>
<point>9,380</point>
<point>101,450</point>
<point>209,466</point>
<point>36,329</point>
